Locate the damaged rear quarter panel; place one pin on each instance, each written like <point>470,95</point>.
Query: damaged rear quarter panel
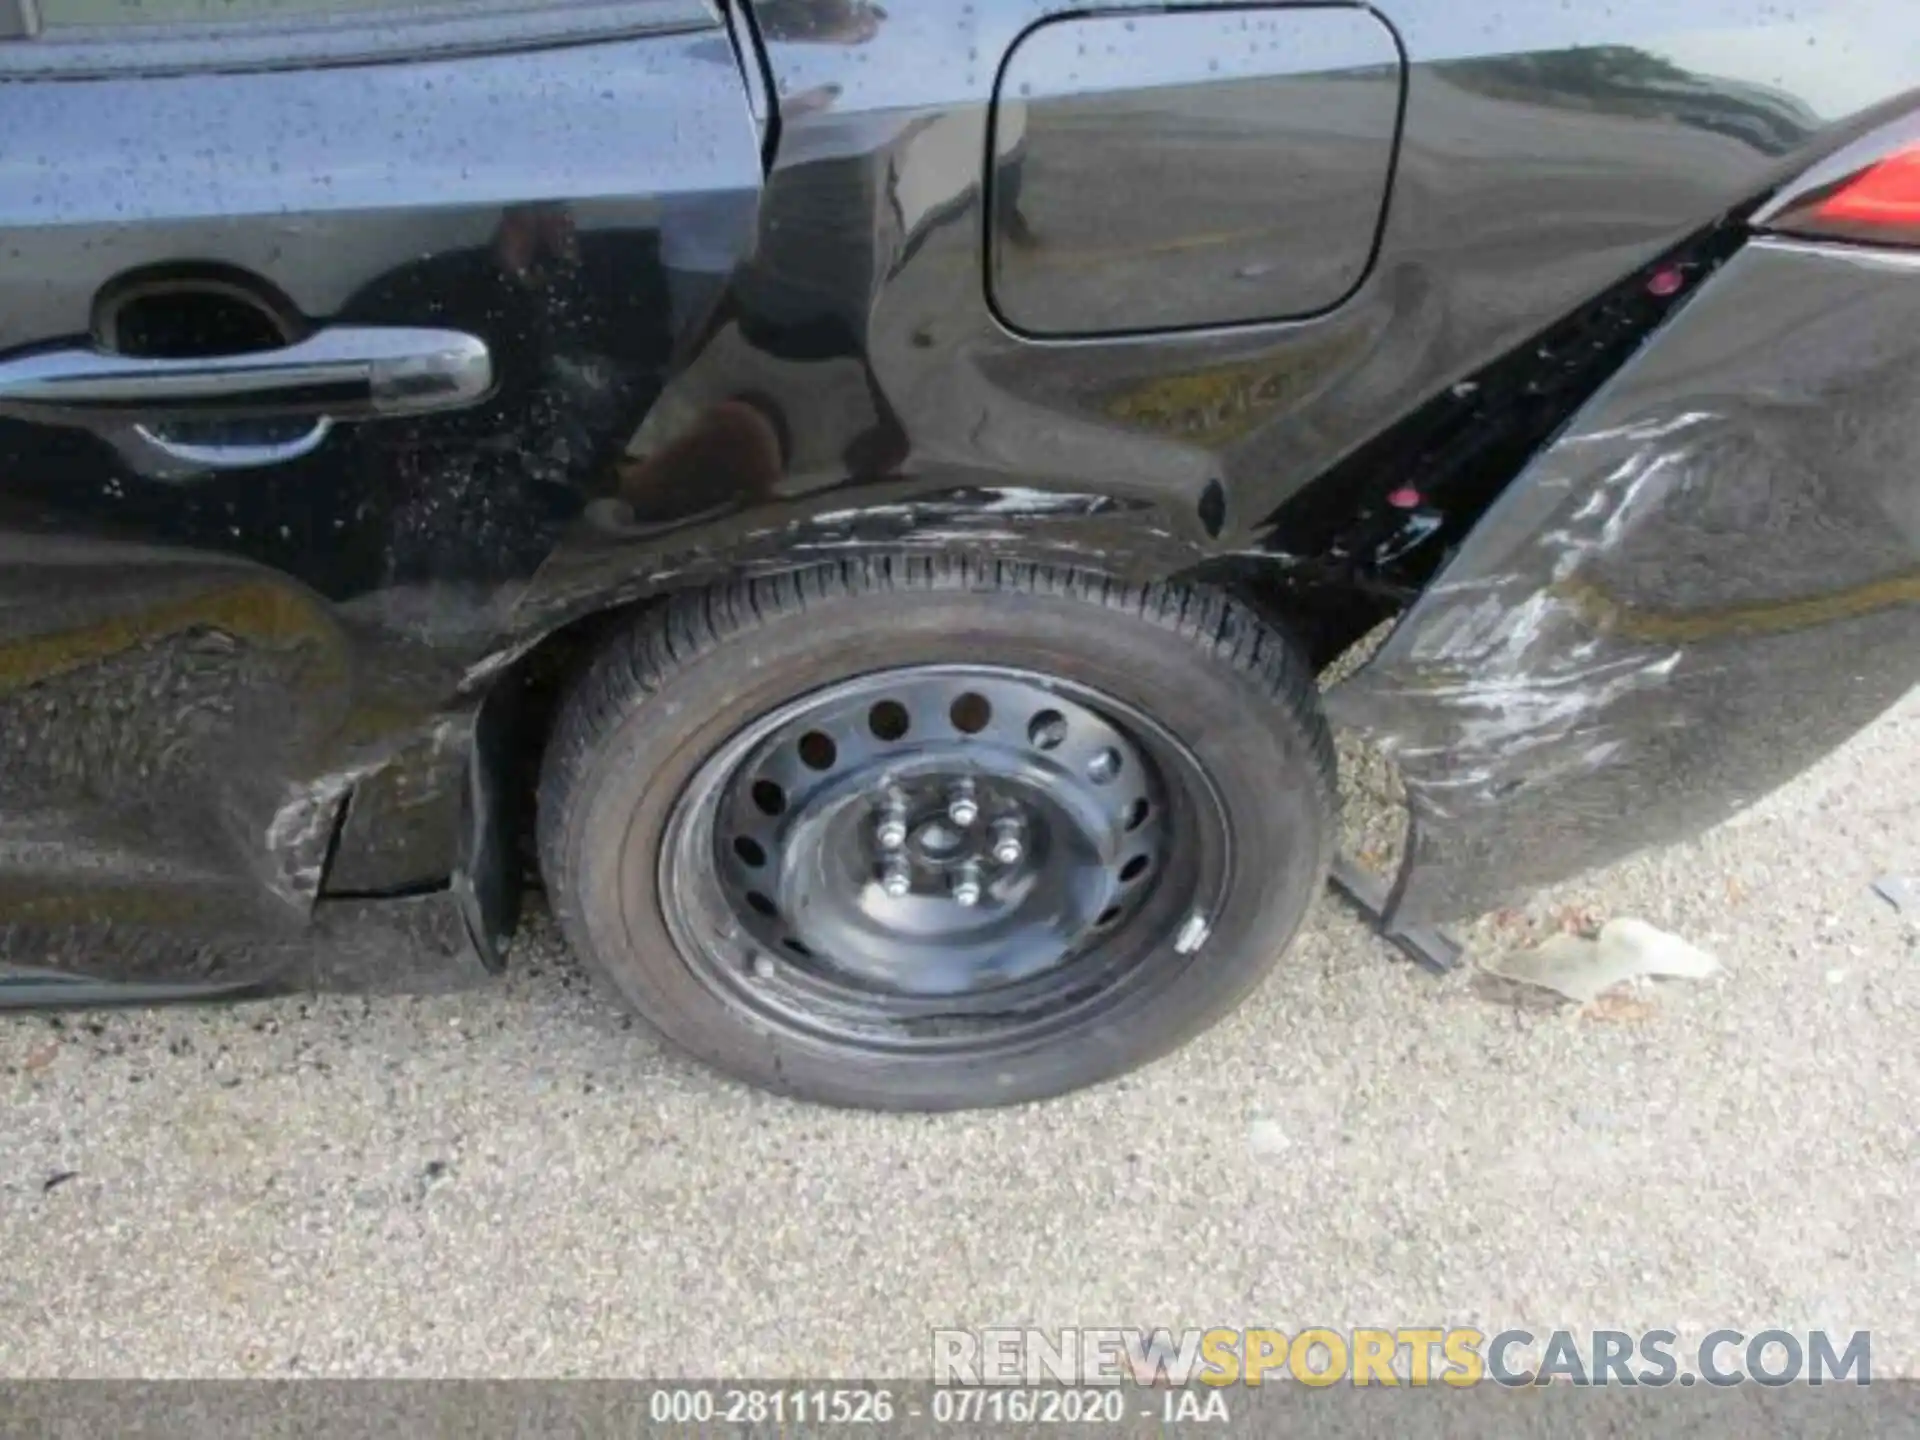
<point>1708,582</point>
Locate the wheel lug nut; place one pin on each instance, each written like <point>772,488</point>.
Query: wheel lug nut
<point>966,885</point>
<point>891,832</point>
<point>763,967</point>
<point>1008,846</point>
<point>962,807</point>
<point>897,879</point>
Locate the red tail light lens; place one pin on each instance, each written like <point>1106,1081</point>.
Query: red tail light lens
<point>1880,203</point>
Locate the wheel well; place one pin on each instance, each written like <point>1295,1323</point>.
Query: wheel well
<point>532,690</point>
<point>529,694</point>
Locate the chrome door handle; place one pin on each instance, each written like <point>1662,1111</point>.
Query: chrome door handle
<point>348,372</point>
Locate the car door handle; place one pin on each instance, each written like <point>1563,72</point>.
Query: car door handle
<point>346,372</point>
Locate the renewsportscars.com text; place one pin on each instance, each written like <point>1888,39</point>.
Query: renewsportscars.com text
<point>1412,1356</point>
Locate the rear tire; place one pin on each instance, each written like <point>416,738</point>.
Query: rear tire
<point>867,976</point>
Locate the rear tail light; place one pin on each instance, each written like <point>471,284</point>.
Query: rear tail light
<point>1880,204</point>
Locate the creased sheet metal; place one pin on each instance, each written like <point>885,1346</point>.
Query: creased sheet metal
<point>1708,582</point>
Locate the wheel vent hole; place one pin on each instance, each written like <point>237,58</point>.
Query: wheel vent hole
<point>762,904</point>
<point>817,751</point>
<point>888,720</point>
<point>749,851</point>
<point>1047,730</point>
<point>1133,869</point>
<point>1138,812</point>
<point>1107,917</point>
<point>970,713</point>
<point>798,947</point>
<point>769,798</point>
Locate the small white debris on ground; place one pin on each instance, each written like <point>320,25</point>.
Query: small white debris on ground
<point>1265,1137</point>
<point>1583,968</point>
<point>1902,892</point>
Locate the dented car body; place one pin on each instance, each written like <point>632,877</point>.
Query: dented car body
<point>1702,586</point>
<point>355,374</point>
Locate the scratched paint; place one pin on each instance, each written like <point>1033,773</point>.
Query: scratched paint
<point>1711,580</point>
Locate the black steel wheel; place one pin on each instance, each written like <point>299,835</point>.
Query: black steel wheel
<point>941,856</point>
<point>1009,832</point>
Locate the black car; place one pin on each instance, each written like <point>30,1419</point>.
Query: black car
<point>856,501</point>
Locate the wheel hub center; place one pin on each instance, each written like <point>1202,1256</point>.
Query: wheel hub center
<point>937,841</point>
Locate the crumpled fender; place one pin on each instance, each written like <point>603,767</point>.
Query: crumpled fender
<point>1708,582</point>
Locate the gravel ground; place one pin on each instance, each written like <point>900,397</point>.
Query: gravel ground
<point>517,1181</point>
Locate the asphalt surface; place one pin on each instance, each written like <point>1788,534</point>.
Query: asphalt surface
<point>518,1181</point>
